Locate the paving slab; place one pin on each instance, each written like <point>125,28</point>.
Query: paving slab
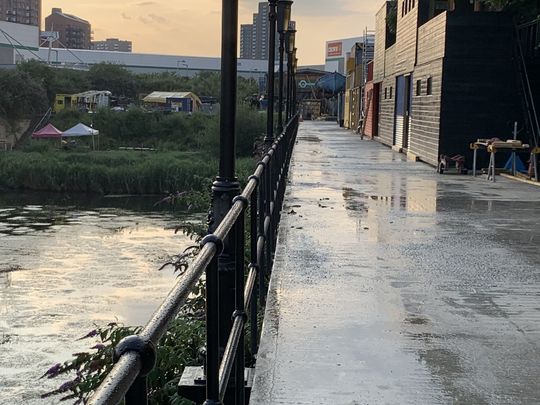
<point>395,285</point>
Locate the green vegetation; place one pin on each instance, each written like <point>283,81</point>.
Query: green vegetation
<point>26,85</point>
<point>136,127</point>
<point>523,10</point>
<point>114,172</point>
<point>20,95</point>
<point>185,147</point>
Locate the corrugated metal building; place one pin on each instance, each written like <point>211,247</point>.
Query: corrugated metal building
<point>447,79</point>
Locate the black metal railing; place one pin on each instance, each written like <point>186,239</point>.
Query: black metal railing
<point>528,42</point>
<point>529,37</point>
<point>263,196</point>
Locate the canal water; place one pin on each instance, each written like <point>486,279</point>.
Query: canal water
<point>68,265</point>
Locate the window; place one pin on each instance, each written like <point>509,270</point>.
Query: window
<point>391,88</point>
<point>385,93</point>
<point>429,91</point>
<point>419,87</point>
<point>403,8</point>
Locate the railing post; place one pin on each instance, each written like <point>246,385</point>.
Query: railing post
<point>226,185</point>
<point>138,392</point>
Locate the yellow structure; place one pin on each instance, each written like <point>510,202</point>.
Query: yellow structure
<point>173,101</point>
<point>62,102</point>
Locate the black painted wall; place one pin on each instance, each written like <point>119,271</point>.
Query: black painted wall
<point>480,97</point>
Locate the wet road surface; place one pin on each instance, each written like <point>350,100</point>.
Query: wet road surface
<point>394,285</point>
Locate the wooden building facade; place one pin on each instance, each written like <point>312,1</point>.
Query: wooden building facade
<point>445,77</point>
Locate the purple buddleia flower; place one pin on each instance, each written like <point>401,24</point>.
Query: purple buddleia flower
<point>99,346</point>
<point>53,371</point>
<point>69,384</point>
<point>90,334</point>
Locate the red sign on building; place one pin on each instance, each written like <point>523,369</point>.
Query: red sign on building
<point>334,49</point>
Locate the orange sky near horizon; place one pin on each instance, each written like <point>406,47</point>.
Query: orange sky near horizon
<point>193,28</point>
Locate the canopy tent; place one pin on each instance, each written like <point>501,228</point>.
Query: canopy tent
<point>80,130</point>
<point>48,131</point>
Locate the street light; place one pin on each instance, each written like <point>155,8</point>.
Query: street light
<point>183,63</point>
<point>283,19</point>
<point>295,66</point>
<point>289,45</point>
<point>269,138</point>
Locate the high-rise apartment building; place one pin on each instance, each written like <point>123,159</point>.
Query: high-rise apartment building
<point>246,41</point>
<point>254,37</point>
<point>26,12</point>
<point>112,44</point>
<point>74,32</point>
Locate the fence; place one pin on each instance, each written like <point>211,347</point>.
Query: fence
<point>263,197</point>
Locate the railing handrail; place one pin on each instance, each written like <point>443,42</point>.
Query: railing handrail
<point>528,94</point>
<point>529,24</point>
<point>126,370</point>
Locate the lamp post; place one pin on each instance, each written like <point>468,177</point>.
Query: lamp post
<point>269,138</point>
<point>183,63</point>
<point>224,189</point>
<point>283,19</point>
<point>295,66</point>
<point>289,42</point>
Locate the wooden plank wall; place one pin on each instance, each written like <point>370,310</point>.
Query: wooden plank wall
<point>386,110</point>
<point>380,44</point>
<point>426,112</point>
<point>426,109</point>
<point>480,88</point>
<point>407,24</point>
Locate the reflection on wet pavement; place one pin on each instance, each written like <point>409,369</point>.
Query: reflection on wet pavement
<point>395,285</point>
<point>64,270</point>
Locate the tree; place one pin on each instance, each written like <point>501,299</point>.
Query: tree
<point>523,10</point>
<point>42,74</point>
<point>21,95</point>
<point>114,78</point>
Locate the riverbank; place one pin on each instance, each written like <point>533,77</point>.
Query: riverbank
<point>112,172</point>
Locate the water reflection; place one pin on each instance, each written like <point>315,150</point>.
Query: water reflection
<point>66,268</point>
<point>386,196</point>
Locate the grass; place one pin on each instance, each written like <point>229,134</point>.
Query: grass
<point>112,172</point>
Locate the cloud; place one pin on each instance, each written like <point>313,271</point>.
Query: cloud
<point>144,20</point>
<point>157,18</point>
<point>125,16</point>
<point>147,3</point>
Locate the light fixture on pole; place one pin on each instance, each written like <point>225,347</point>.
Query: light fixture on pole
<point>269,138</point>
<point>283,19</point>
<point>289,45</point>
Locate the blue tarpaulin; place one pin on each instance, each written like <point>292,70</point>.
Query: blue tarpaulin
<point>332,82</point>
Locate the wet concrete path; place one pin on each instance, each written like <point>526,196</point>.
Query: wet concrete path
<point>394,285</point>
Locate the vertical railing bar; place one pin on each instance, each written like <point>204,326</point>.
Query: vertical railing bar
<point>240,309</point>
<point>212,333</point>
<point>138,392</point>
<point>254,262</point>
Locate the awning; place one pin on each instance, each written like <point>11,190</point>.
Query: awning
<point>80,130</point>
<point>48,131</point>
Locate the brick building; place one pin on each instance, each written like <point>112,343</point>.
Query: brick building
<point>112,44</point>
<point>74,32</point>
<point>26,12</point>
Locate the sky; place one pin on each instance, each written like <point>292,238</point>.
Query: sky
<point>192,28</point>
